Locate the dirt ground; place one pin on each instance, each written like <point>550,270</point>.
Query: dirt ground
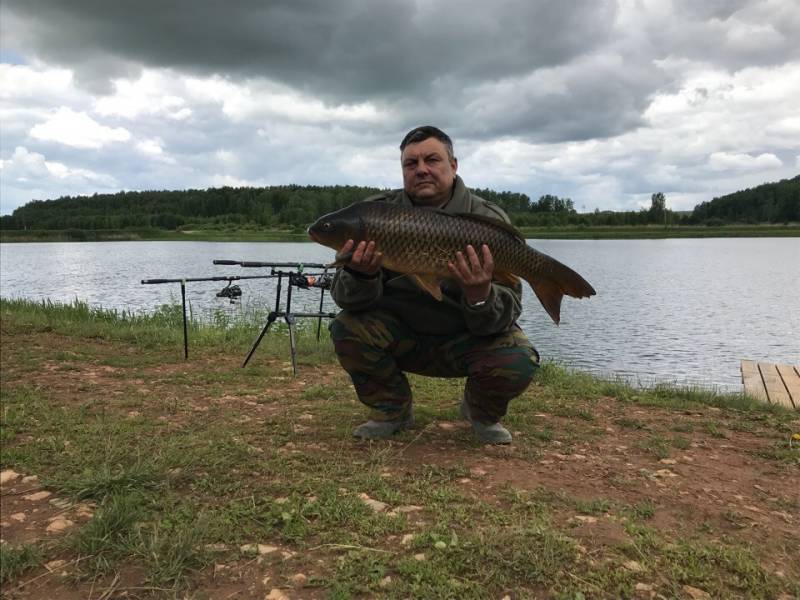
<point>722,483</point>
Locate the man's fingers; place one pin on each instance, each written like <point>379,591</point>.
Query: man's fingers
<point>358,255</point>
<point>488,260</point>
<point>474,261</point>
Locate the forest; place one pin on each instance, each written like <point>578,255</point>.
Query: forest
<point>293,207</point>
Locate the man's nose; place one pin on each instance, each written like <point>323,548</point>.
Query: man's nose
<point>421,167</point>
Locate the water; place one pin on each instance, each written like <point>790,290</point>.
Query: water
<point>676,311</point>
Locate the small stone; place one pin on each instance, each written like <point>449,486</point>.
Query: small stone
<point>643,587</point>
<point>30,479</point>
<point>306,417</point>
<point>477,472</point>
<point>407,539</point>
<point>420,556</point>
<point>385,582</point>
<point>408,509</point>
<point>633,566</point>
<point>668,461</point>
<point>585,519</point>
<point>260,549</point>
<point>38,496</point>
<point>18,517</point>
<point>8,475</point>
<point>276,594</point>
<point>665,473</point>
<point>579,457</point>
<point>55,565</point>
<point>375,505</point>
<point>696,593</point>
<point>59,524</point>
<point>281,500</point>
<point>440,545</point>
<point>298,579</point>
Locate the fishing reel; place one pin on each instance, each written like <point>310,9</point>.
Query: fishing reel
<point>305,282</point>
<point>232,292</point>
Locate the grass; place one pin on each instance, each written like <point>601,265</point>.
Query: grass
<point>186,462</point>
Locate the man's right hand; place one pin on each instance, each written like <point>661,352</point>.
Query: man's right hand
<point>365,259</point>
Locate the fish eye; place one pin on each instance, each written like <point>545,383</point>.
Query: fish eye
<point>326,225</point>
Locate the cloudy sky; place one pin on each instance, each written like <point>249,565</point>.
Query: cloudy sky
<point>601,101</point>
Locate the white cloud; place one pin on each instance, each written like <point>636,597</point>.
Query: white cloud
<point>260,99</point>
<point>25,82</point>
<point>77,129</point>
<point>30,176</point>
<point>724,161</point>
<point>150,94</point>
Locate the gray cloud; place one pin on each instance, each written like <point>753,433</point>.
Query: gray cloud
<point>604,101</point>
<point>338,50</point>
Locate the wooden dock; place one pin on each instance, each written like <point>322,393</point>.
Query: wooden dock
<point>776,384</point>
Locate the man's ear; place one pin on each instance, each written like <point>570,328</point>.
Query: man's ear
<point>454,164</point>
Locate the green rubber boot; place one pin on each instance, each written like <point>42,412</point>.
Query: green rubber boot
<point>488,433</point>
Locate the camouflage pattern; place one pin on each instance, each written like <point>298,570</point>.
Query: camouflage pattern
<point>376,348</point>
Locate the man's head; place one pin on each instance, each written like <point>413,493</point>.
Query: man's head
<point>429,166</point>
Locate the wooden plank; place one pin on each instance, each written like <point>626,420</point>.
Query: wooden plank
<point>776,391</point>
<point>751,378</point>
<point>791,379</point>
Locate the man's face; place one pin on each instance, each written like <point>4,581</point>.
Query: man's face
<point>428,172</point>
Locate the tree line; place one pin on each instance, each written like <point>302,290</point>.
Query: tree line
<point>293,207</point>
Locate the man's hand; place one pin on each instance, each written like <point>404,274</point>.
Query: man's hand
<point>365,259</point>
<point>474,275</point>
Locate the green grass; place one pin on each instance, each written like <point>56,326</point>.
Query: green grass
<point>15,560</point>
<point>195,467</point>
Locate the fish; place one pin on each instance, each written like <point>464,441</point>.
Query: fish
<point>420,242</point>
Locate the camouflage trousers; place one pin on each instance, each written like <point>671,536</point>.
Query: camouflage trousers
<point>376,348</point>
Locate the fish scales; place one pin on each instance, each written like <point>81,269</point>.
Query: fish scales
<point>426,240</point>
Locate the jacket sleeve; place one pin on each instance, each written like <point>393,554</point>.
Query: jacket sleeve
<point>353,291</point>
<point>499,313</point>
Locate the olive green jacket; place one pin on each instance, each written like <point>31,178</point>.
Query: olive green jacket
<point>423,313</point>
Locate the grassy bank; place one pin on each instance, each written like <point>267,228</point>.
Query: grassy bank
<point>250,235</point>
<point>138,473</point>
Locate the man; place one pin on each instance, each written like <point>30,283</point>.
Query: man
<point>389,325</point>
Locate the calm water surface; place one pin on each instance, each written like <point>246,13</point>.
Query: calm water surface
<point>676,311</point>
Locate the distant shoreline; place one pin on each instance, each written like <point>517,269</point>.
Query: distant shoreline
<point>566,233</point>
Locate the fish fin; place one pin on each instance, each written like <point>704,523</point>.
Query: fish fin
<point>492,222</point>
<point>554,282</point>
<point>429,283</point>
<point>341,260</point>
<point>506,278</point>
<point>550,296</point>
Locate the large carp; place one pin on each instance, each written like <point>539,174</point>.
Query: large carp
<point>421,241</point>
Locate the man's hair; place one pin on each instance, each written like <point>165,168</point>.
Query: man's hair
<point>420,134</point>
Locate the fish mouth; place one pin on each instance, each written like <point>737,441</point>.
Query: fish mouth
<point>312,235</point>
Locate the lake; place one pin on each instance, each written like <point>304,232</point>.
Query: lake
<point>680,311</point>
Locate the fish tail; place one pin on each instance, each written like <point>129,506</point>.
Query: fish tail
<point>553,281</point>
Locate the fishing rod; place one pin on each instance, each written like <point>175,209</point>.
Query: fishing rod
<point>299,266</point>
<point>183,281</point>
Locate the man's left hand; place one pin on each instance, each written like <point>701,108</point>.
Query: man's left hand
<point>474,274</point>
